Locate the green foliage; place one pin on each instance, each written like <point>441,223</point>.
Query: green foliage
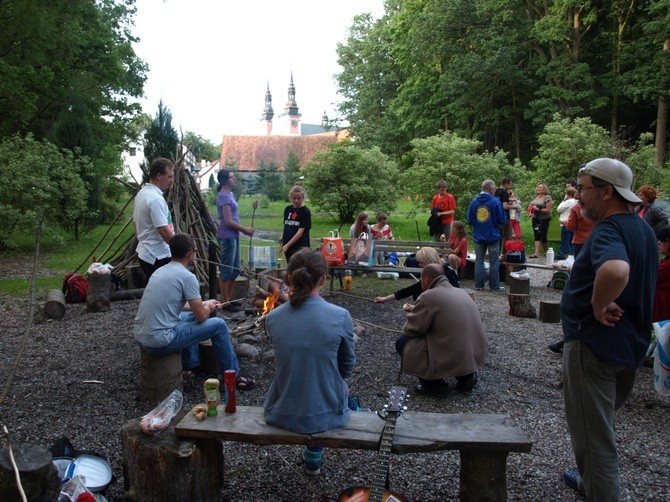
<point>460,163</point>
<point>39,183</point>
<point>291,171</point>
<point>270,182</point>
<point>161,139</point>
<point>642,161</point>
<point>566,144</point>
<point>347,179</point>
<point>202,148</point>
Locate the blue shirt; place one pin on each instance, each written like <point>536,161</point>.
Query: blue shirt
<point>619,237</point>
<point>486,214</point>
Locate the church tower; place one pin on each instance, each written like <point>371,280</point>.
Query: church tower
<point>268,112</point>
<point>291,111</point>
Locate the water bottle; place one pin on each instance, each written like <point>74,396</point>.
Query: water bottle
<point>550,257</point>
<point>347,280</point>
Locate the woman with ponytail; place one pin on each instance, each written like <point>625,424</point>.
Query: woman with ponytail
<point>313,342</point>
<point>228,234</point>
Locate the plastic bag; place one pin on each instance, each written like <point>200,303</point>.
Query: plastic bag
<point>662,358</point>
<point>332,249</point>
<point>158,419</point>
<point>75,490</point>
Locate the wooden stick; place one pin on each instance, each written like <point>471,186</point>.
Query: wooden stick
<point>379,327</point>
<point>351,295</point>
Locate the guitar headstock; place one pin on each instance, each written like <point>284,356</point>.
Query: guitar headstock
<point>396,400</point>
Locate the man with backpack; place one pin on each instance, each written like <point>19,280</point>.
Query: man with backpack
<point>153,222</point>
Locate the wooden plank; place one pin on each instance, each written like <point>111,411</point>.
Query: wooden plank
<point>415,431</point>
<point>534,265</point>
<point>378,268</point>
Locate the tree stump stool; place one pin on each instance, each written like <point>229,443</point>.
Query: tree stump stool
<point>159,375</point>
<point>39,476</point>
<point>518,285</point>
<point>164,467</point>
<point>98,296</point>
<point>54,306</point>
<point>550,311</point>
<point>208,362</point>
<point>520,306</point>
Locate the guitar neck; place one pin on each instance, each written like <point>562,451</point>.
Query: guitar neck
<point>378,485</point>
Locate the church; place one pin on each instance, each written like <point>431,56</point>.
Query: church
<point>279,135</point>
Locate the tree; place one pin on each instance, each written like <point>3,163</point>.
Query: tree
<point>202,148</point>
<point>39,183</point>
<point>460,162</point>
<point>291,171</point>
<point>270,182</point>
<point>565,144</point>
<point>161,139</point>
<point>347,179</point>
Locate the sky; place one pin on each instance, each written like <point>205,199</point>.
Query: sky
<point>210,61</point>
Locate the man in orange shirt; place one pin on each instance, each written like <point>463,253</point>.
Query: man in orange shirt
<point>444,207</point>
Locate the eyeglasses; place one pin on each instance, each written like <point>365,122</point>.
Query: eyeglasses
<point>581,188</point>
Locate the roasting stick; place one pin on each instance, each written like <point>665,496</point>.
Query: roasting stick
<point>352,295</point>
<point>14,466</point>
<point>378,327</point>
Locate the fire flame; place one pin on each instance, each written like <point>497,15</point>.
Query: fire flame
<point>270,302</point>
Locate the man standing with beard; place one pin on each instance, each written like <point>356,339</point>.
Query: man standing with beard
<point>606,313</point>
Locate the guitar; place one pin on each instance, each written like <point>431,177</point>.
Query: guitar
<point>377,492</point>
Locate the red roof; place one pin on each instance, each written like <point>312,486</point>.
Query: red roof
<point>247,152</point>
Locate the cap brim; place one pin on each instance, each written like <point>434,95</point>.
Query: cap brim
<point>628,195</point>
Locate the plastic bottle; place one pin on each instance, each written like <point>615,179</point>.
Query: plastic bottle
<point>550,257</point>
<point>347,280</point>
<point>230,381</point>
<point>212,396</point>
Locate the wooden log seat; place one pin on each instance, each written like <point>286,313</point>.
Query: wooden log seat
<point>484,440</point>
<point>99,289</point>
<point>520,306</point>
<point>518,285</point>
<point>54,306</point>
<point>165,467</point>
<point>159,375</point>
<point>550,311</point>
<point>39,476</point>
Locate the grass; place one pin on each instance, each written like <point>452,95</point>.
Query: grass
<point>61,253</point>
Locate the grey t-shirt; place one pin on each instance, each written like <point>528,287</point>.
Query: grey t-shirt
<point>169,288</point>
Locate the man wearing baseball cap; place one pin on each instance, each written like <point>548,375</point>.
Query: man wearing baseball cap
<point>606,313</point>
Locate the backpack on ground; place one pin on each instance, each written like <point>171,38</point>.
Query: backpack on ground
<point>558,280</point>
<point>75,288</point>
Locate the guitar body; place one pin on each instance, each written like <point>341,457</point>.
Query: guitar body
<point>362,494</point>
<point>377,492</point>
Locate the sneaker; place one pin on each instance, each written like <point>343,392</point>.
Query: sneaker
<point>556,347</point>
<point>501,289</point>
<point>574,481</point>
<point>313,468</point>
<point>313,461</point>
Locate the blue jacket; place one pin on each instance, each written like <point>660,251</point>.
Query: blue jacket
<point>486,215</point>
<point>314,353</point>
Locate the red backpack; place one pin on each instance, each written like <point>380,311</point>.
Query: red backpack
<point>75,288</point>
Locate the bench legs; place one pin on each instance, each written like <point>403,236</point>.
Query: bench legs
<point>483,476</point>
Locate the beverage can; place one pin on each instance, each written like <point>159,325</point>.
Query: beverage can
<point>230,381</point>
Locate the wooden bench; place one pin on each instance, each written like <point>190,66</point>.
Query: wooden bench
<point>337,271</point>
<point>484,440</point>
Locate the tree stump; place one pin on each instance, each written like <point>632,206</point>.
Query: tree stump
<point>164,467</point>
<point>520,306</point>
<point>159,375</point>
<point>550,311</point>
<point>518,286</point>
<point>39,476</point>
<point>99,287</point>
<point>240,288</point>
<point>208,362</point>
<point>54,307</point>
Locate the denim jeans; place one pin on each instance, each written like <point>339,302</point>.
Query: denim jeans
<point>566,241</point>
<point>187,335</point>
<point>494,271</point>
<point>229,258</point>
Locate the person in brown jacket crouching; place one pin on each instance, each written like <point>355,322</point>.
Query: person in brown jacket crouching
<point>444,337</point>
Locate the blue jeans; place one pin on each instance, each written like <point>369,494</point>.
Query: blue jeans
<point>229,257</point>
<point>566,241</point>
<point>187,335</point>
<point>494,271</point>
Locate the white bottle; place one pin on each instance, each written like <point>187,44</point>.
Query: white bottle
<point>550,257</point>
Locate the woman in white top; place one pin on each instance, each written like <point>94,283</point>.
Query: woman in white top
<point>563,210</point>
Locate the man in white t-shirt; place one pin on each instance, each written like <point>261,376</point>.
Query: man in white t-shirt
<point>153,222</point>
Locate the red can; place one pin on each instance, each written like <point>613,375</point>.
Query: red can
<point>230,381</point>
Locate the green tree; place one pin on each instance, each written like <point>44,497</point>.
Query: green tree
<point>39,183</point>
<point>566,144</point>
<point>270,182</point>
<point>161,139</point>
<point>347,179</point>
<point>291,171</point>
<point>460,162</point>
<point>202,148</point>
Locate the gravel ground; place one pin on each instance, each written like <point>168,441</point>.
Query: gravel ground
<point>79,377</point>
